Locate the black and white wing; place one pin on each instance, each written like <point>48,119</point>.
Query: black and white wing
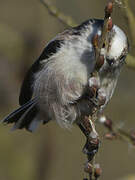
<point>25,116</point>
<point>26,91</point>
<point>54,45</point>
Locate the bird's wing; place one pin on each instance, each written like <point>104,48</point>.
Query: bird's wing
<point>26,91</point>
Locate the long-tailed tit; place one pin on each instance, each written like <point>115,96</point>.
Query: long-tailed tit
<point>57,85</point>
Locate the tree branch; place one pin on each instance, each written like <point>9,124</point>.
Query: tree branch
<point>115,132</point>
<point>64,19</point>
<point>131,19</point>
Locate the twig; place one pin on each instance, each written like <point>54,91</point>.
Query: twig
<point>64,19</point>
<point>131,19</point>
<point>93,141</point>
<point>115,132</point>
<point>101,42</point>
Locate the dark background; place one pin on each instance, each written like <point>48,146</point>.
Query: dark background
<point>53,153</point>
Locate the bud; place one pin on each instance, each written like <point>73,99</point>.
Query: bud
<point>101,97</point>
<point>95,142</point>
<point>108,124</point>
<point>132,136</point>
<point>99,62</point>
<point>95,41</point>
<point>108,9</point>
<point>110,136</point>
<point>94,84</point>
<point>110,24</point>
<point>88,168</point>
<point>91,147</point>
<point>106,121</point>
<point>97,171</point>
<point>93,92</point>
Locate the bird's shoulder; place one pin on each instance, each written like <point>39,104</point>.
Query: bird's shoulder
<point>51,48</point>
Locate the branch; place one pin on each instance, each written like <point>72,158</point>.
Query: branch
<point>115,132</point>
<point>64,19</point>
<point>101,42</point>
<point>93,141</point>
<point>131,19</point>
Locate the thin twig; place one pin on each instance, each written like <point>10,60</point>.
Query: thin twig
<point>115,132</point>
<point>131,19</point>
<point>92,143</point>
<point>104,34</point>
<point>100,42</point>
<point>64,19</point>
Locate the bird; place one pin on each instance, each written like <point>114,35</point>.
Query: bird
<point>57,85</point>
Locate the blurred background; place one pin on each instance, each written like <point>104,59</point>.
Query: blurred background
<point>52,152</point>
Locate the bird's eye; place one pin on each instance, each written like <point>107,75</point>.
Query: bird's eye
<point>110,61</point>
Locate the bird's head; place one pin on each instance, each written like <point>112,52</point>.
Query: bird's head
<point>117,48</point>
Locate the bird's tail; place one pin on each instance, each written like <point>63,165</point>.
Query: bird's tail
<point>24,117</point>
